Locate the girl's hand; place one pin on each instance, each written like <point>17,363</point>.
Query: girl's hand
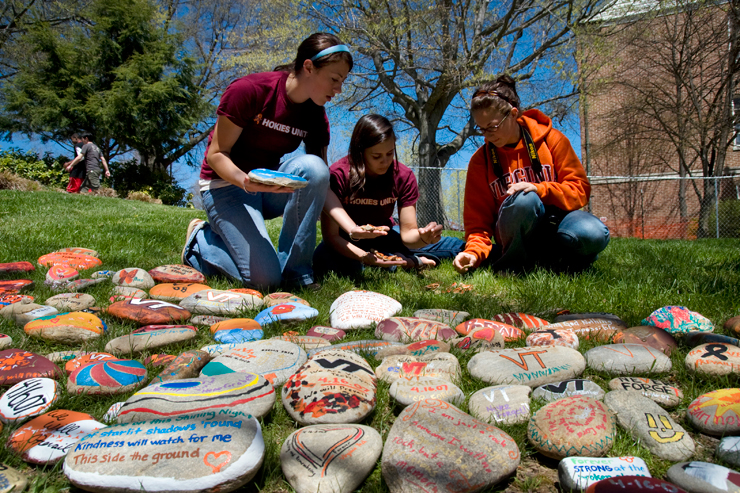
<point>431,233</point>
<point>463,262</point>
<point>370,259</point>
<point>522,186</point>
<point>253,187</point>
<point>358,233</point>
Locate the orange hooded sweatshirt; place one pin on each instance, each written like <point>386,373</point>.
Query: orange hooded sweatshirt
<point>563,182</point>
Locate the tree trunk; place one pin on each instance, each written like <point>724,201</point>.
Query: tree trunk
<point>706,228</point>
<point>430,206</point>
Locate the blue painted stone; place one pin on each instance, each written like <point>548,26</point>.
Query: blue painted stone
<point>237,336</point>
<point>107,377</point>
<point>270,177</point>
<point>286,312</point>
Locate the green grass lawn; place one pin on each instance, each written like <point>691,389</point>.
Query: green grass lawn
<point>631,279</point>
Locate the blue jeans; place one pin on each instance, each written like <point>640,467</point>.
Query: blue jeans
<point>235,243</point>
<point>529,233</point>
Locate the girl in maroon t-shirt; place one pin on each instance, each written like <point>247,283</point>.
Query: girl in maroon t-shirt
<point>364,188</point>
<point>262,117</point>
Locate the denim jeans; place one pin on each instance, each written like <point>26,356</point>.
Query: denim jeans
<point>235,242</point>
<point>529,233</point>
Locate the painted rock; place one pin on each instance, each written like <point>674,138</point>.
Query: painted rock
<point>15,286</point>
<point>17,365</point>
<point>406,392</point>
<point>716,412</point>
<point>365,346</point>
<point>150,337</point>
<point>557,337</point>
<point>306,342</point>
<point>13,267</point>
<point>330,458</point>
<point>174,293</point>
<point>360,309</point>
<point>147,312</point>
<point>186,365</point>
<point>200,455</point>
<point>694,338</point>
<point>420,348</point>
<point>5,341</point>
<point>596,329</point>
<point>78,261</point>
<point>501,404</point>
<point>628,484</point>
<point>9,299</point>
<point>107,377</point>
<point>80,284</point>
<point>410,329</point>
<point>71,302</point>
<point>61,273</point>
<point>22,313</point>
<point>521,320</point>
<point>572,426</point>
<point>578,473</point>
<point>676,319</point>
<point>27,399</point>
<point>159,360</point>
<point>329,333</point>
<point>481,339</point>
<point>568,388</point>
<point>273,299</point>
<point>567,316</point>
<point>176,273</point>
<point>509,332</point>
<point>650,425</point>
<point>272,177</point>
<point>733,325</point>
<point>64,356</point>
<point>86,359</point>
<point>102,274</point>
<point>251,292</point>
<point>627,359</point>
<point>527,366</point>
<point>648,336</point>
<point>11,480</point>
<point>111,415</point>
<point>47,438</point>
<point>714,359</point>
<point>238,336</point>
<point>704,477</point>
<point>728,450</point>
<point>338,360</point>
<point>440,365</point>
<point>655,390</point>
<point>79,250</point>
<point>218,302</point>
<point>448,317</point>
<point>207,320</point>
<point>286,313</point>
<point>67,328</point>
<point>469,455</point>
<point>121,293</point>
<point>275,360</point>
<point>133,277</point>
<point>236,395</point>
<point>235,323</point>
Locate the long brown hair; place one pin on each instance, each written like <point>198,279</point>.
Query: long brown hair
<point>370,130</point>
<point>499,94</point>
<point>310,47</point>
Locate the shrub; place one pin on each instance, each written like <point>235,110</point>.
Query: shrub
<point>11,181</point>
<point>130,176</point>
<point>729,219</point>
<point>48,170</point>
<point>143,197</point>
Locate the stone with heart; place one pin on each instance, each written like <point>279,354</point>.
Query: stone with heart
<point>9,299</point>
<point>728,450</point>
<point>79,261</point>
<point>627,359</point>
<point>410,329</point>
<point>27,399</point>
<point>480,339</point>
<point>440,365</point>
<point>434,444</point>
<point>509,332</point>
<point>714,359</point>
<point>331,458</point>
<point>175,292</point>
<point>61,273</point>
<point>329,333</point>
<point>274,359</point>
<point>364,346</point>
<point>87,359</point>
<point>159,360</point>
<point>22,313</point>
<point>649,336</point>
<point>17,365</point>
<point>219,302</point>
<point>133,277</point>
<point>595,329</point>
<point>150,337</point>
<point>556,337</point>
<point>450,318</point>
<point>146,312</point>
<point>662,393</point>
<point>716,412</point>
<point>176,273</point>
<point>11,480</point>
<point>108,377</point>
<point>527,366</point>
<point>67,328</point>
<point>521,320</point>
<point>190,454</point>
<point>678,319</point>
<point>572,426</point>
<point>186,365</point>
<point>71,302</point>
<point>234,395</point>
<point>288,312</point>
<point>704,477</point>
<point>501,404</point>
<point>15,267</point>
<point>273,299</point>
<point>568,388</point>
<point>651,425</point>
<point>361,309</point>
<point>406,392</point>
<point>420,348</point>
<point>306,342</point>
<point>47,438</point>
<point>580,473</point>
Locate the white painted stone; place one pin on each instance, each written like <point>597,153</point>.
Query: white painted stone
<point>527,366</point>
<point>578,473</point>
<point>27,399</point>
<point>501,404</point>
<point>360,309</point>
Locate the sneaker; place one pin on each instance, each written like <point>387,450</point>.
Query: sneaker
<point>195,224</point>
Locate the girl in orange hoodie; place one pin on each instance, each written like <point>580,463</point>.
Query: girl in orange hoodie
<point>524,189</point>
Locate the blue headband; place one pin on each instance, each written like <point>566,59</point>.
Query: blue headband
<point>329,51</point>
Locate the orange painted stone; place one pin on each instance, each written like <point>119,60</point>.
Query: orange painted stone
<point>521,320</point>
<point>509,332</point>
<point>10,267</point>
<point>9,299</point>
<point>61,273</point>
<point>247,291</point>
<point>17,365</point>
<point>174,292</point>
<point>70,328</point>
<point>648,336</point>
<point>15,286</point>
<point>157,360</point>
<point>409,329</point>
<point>87,359</point>
<point>83,251</point>
<point>176,273</point>
<point>597,329</point>
<point>77,261</point>
<point>278,298</point>
<point>236,323</point>
<point>147,312</point>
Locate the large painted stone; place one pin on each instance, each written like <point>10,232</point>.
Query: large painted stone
<point>274,359</point>
<point>435,446</point>
<point>176,273</point>
<point>578,473</point>
<point>651,425</point>
<point>627,359</point>
<point>329,333</point>
<point>360,309</point>
<point>278,178</point>
<point>714,359</point>
<point>501,404</point>
<point>150,337</point>
<point>596,329</point>
<point>159,360</point>
<point>107,377</point>
<point>288,312</point>
<point>47,438</point>
<point>27,399</point>
<point>11,480</point>
<point>71,302</point>
<point>9,299</point>
<point>411,329</point>
<point>183,455</point>
<point>420,348</point>
<point>406,367</point>
<point>567,316</point>
<point>521,320</point>
<point>186,365</point>
<point>450,318</point>
<point>78,261</point>
<point>175,292</point>
<point>509,332</point>
<point>365,346</point>
<point>716,412</point>
<point>133,277</point>
<point>572,426</point>
<point>238,336</point>
<point>568,388</point>
<point>677,319</point>
<point>22,313</point>
<point>67,328</point>
<point>406,392</point>
<point>655,390</point>
<point>235,395</point>
<point>17,365</point>
<point>61,273</point>
<point>102,274</point>
<point>306,342</point>
<point>13,267</point>
<point>649,336</point>
<point>273,299</point>
<point>122,293</point>
<point>218,302</point>
<point>15,286</point>
<point>480,339</point>
<point>330,458</point>
<point>704,477</point>
<point>557,337</point>
<point>64,356</point>
<point>147,312</point>
<point>527,366</point>
<point>86,359</point>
